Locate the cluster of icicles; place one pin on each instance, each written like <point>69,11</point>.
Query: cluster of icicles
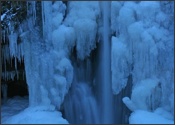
<point>10,51</point>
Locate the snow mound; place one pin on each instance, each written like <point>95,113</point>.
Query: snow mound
<point>33,116</point>
<point>13,106</point>
<point>15,111</point>
<point>146,94</point>
<point>164,113</point>
<point>129,103</point>
<point>145,117</point>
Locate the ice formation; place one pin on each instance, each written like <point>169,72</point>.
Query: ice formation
<point>143,36</point>
<point>141,47</point>
<point>49,56</point>
<point>84,22</point>
<point>146,117</point>
<point>119,65</point>
<point>146,95</point>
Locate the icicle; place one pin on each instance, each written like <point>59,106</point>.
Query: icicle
<point>11,62</point>
<point>34,11</point>
<point>6,53</point>
<point>5,76</point>
<point>13,44</point>
<point>15,63</point>
<point>5,67</point>
<point>11,74</point>
<point>23,75</point>
<point>17,74</point>
<point>43,19</point>
<point>27,7</point>
<point>2,54</point>
<point>3,40</point>
<point>47,19</point>
<point>18,53</point>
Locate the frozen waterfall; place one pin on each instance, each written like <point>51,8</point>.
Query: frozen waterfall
<point>99,62</point>
<point>105,68</point>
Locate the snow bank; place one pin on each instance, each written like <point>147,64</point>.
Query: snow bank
<point>129,104</point>
<point>15,111</point>
<point>34,116</point>
<point>12,107</point>
<point>161,111</point>
<point>145,117</point>
<point>146,94</point>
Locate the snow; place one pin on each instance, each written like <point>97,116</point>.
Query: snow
<point>4,92</point>
<point>3,16</point>
<point>15,111</point>
<point>161,111</point>
<point>12,107</point>
<point>146,94</point>
<point>145,117</point>
<point>129,104</point>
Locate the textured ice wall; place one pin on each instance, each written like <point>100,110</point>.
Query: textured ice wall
<point>145,30</point>
<point>48,69</point>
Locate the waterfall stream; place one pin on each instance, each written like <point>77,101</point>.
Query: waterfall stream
<point>105,68</point>
<point>81,105</point>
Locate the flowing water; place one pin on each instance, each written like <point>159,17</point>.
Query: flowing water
<point>81,105</point>
<point>105,69</point>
